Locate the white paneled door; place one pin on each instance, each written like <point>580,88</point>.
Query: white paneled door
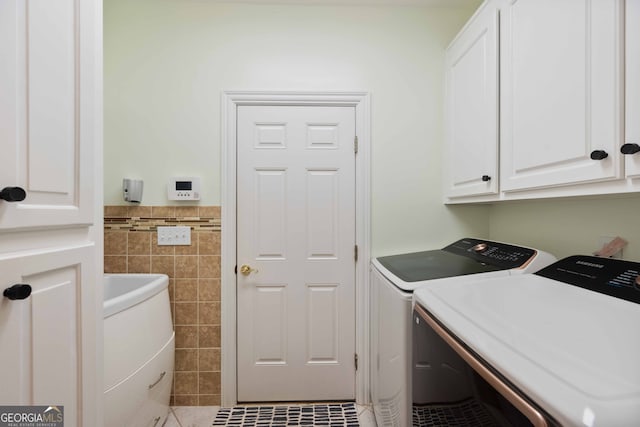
<point>296,253</point>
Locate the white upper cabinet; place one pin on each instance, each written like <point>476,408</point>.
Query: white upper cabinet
<point>47,113</point>
<point>632,91</point>
<point>561,92</point>
<point>471,151</point>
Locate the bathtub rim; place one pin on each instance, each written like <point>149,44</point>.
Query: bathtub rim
<point>157,284</point>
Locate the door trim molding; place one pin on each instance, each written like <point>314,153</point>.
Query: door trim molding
<point>230,101</point>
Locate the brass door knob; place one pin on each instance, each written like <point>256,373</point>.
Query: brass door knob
<point>247,270</point>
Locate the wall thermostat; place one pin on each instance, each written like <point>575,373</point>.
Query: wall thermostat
<point>184,188</point>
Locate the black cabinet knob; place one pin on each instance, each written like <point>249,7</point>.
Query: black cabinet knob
<point>486,178</point>
<point>599,155</point>
<point>19,291</point>
<point>13,194</point>
<point>630,148</point>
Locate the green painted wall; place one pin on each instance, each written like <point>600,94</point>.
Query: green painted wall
<point>569,226</point>
<point>167,61</point>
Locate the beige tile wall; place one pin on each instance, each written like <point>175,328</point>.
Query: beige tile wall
<point>130,246</point>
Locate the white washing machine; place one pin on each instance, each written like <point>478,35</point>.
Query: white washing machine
<point>556,348</point>
<point>393,280</point>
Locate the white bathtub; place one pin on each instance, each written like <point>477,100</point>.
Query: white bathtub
<point>139,345</point>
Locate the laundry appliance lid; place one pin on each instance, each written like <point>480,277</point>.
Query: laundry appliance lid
<point>463,257</point>
<point>570,349</point>
<point>430,265</point>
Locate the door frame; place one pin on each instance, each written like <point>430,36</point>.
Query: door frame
<point>231,100</point>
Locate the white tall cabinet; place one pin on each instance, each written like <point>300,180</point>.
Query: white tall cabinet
<point>50,140</point>
<point>471,152</point>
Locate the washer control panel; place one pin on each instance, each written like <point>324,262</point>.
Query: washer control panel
<point>493,253</point>
<point>613,277</point>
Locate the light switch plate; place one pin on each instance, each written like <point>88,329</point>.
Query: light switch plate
<point>174,236</point>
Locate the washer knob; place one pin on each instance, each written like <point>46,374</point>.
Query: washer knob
<point>479,247</point>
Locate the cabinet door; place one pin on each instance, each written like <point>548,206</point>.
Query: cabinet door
<point>632,87</point>
<point>44,339</point>
<point>471,151</point>
<point>561,64</point>
<point>47,111</point>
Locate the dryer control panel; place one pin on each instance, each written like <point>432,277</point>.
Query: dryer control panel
<point>613,277</point>
<point>493,253</point>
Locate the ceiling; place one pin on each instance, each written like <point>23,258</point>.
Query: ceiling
<point>440,3</point>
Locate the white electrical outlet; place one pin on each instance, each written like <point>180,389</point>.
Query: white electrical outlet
<point>174,236</point>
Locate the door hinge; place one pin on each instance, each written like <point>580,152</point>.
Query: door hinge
<point>355,144</point>
<point>355,253</point>
<point>355,360</point>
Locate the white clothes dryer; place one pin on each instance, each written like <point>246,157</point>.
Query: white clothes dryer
<point>555,348</point>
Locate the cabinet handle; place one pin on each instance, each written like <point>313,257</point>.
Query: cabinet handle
<point>486,178</point>
<point>630,148</point>
<point>13,194</point>
<point>599,155</point>
<point>19,291</point>
<point>158,380</point>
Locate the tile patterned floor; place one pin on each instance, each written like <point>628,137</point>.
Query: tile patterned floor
<point>321,414</point>
<point>203,416</point>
